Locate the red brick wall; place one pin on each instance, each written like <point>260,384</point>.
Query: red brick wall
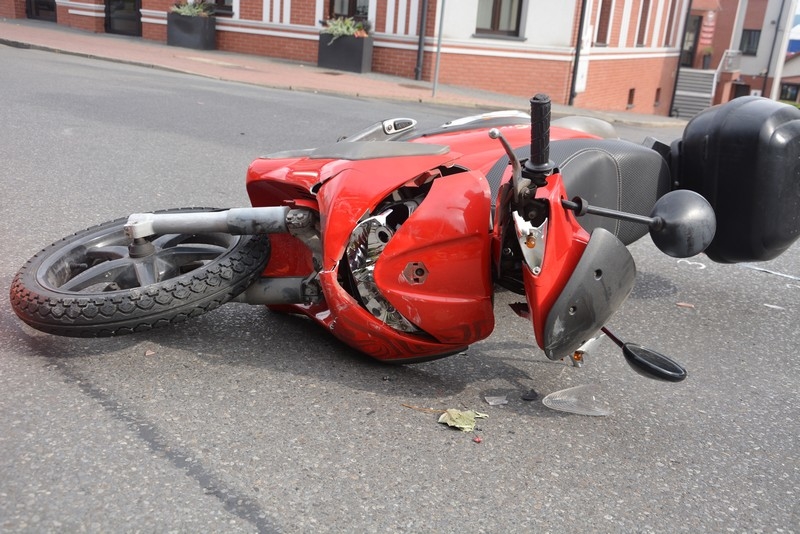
<point>754,15</point>
<point>251,10</point>
<point>303,13</point>
<point>756,83</point>
<point>12,9</point>
<point>400,62</point>
<point>616,23</point>
<point>80,22</point>
<point>609,84</point>
<point>156,32</point>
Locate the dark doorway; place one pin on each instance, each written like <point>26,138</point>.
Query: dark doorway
<point>124,17</point>
<point>690,38</point>
<point>41,9</point>
<point>741,89</point>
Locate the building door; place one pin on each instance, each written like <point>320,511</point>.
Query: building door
<point>124,17</point>
<point>41,9</point>
<point>690,41</point>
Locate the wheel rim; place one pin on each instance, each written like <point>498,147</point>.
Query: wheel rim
<point>101,262</point>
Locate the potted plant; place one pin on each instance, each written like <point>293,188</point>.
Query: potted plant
<point>345,44</point>
<point>191,23</point>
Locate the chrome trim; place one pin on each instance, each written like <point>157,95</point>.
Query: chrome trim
<point>366,244</point>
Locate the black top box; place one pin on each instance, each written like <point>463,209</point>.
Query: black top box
<point>744,158</point>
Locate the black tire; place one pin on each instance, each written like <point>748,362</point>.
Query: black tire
<point>88,285</point>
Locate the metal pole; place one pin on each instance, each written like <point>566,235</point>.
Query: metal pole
<point>578,43</point>
<point>423,22</point>
<point>438,51</point>
<point>772,50</point>
<point>680,57</point>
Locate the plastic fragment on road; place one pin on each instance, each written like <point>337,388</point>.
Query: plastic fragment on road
<point>496,401</point>
<point>579,400</point>
<point>465,421</point>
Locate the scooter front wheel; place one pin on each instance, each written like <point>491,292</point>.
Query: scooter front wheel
<point>93,284</point>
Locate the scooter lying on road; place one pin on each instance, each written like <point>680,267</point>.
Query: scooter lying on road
<point>394,239</point>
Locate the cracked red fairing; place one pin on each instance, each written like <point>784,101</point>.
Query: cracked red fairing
<point>449,234</point>
<point>448,238</point>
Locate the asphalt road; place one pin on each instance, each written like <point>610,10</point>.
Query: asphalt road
<point>244,420</point>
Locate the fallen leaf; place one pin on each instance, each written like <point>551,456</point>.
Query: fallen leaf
<point>462,420</point>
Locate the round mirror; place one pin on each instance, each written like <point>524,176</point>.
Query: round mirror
<point>652,364</point>
<point>684,224</point>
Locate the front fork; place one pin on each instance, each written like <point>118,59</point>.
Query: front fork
<point>302,223</point>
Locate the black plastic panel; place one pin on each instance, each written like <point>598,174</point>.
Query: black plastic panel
<point>598,286</point>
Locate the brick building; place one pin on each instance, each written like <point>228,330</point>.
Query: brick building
<point>627,57</point>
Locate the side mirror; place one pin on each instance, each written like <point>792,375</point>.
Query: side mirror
<point>683,223</point>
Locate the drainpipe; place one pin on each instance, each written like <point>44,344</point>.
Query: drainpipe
<point>772,50</point>
<point>578,42</point>
<point>680,56</point>
<point>423,22</point>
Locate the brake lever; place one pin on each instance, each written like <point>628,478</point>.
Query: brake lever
<point>520,185</point>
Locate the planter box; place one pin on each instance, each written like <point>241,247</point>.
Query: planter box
<point>353,54</point>
<point>199,33</point>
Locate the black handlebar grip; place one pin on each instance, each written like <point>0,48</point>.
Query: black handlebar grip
<point>540,131</point>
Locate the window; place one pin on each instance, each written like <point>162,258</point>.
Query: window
<point>223,8</point>
<point>749,44</point>
<point>789,92</point>
<point>644,18</point>
<point>500,17</point>
<point>604,23</point>
<point>357,9</point>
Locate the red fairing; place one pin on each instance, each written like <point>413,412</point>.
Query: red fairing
<point>436,269</point>
<point>355,188</point>
<point>566,241</point>
<point>354,325</point>
<point>449,234</point>
<point>277,182</point>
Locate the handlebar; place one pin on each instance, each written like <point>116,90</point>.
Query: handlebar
<point>539,166</point>
<point>540,130</point>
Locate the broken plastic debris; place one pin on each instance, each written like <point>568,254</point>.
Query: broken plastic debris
<point>463,420</point>
<point>149,353</point>
<point>579,400</point>
<point>530,395</point>
<point>684,305</point>
<point>496,401</point>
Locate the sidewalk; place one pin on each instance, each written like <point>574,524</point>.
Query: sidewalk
<point>275,73</point>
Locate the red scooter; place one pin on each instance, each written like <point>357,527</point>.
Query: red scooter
<point>393,239</point>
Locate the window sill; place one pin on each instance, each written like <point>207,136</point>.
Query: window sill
<point>498,37</point>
